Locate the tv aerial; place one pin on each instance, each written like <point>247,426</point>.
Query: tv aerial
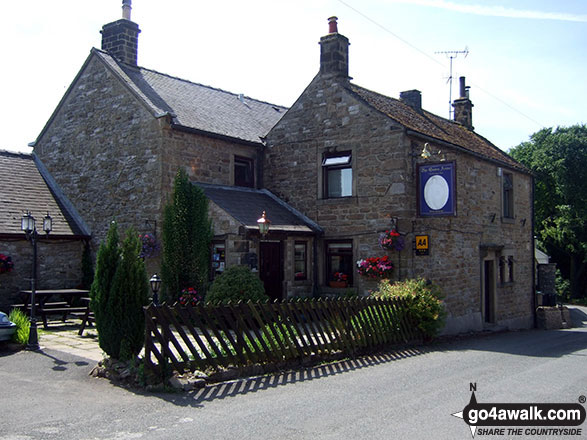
<point>451,55</point>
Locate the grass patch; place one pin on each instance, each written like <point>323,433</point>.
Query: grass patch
<point>21,335</point>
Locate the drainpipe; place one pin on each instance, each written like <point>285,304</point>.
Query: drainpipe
<point>533,254</point>
<point>315,266</point>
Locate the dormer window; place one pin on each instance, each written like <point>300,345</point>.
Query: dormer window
<point>338,174</point>
<point>244,171</point>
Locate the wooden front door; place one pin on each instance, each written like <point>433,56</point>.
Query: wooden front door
<point>271,268</point>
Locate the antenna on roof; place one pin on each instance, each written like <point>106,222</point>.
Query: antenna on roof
<point>452,54</point>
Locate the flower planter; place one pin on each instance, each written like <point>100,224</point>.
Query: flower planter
<point>338,284</point>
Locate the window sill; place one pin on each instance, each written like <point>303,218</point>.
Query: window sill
<point>350,200</point>
<point>509,220</point>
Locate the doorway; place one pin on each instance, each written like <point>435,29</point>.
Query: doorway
<point>271,268</point>
<point>489,291</point>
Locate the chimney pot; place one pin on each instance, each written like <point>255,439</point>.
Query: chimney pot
<point>126,7</point>
<point>332,25</point>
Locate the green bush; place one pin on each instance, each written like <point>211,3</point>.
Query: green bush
<point>21,335</point>
<point>237,283</point>
<point>423,300</point>
<point>187,233</point>
<point>107,260</point>
<point>119,292</point>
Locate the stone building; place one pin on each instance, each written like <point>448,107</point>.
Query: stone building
<point>121,132</point>
<point>359,163</point>
<point>335,171</point>
<point>26,186</point>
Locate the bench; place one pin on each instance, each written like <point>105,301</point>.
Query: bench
<point>44,307</point>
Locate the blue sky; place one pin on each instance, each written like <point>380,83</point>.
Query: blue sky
<point>526,63</point>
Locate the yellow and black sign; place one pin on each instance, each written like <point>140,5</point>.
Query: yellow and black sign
<point>422,245</point>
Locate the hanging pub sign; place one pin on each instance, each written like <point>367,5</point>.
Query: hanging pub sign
<point>436,189</point>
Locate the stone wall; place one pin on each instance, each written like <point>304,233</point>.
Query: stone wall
<point>328,118</point>
<point>59,267</point>
<point>115,160</point>
<point>102,148</point>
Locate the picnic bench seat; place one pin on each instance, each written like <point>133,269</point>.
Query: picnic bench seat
<point>44,307</point>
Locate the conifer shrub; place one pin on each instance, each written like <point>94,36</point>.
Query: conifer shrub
<point>422,299</point>
<point>129,294</point>
<point>107,260</point>
<point>119,292</point>
<point>187,233</point>
<point>237,283</point>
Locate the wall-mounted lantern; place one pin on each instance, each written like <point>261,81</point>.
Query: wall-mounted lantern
<point>264,223</point>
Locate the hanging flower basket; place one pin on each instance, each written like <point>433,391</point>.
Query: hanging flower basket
<point>6,264</point>
<point>150,246</point>
<point>375,267</point>
<point>391,240</point>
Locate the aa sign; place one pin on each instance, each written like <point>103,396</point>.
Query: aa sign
<point>422,245</point>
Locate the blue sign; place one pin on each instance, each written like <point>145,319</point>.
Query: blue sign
<point>436,189</point>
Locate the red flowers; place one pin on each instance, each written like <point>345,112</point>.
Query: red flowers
<point>6,263</point>
<point>375,267</point>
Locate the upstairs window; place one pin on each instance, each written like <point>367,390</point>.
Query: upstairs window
<point>508,196</point>
<point>338,175</point>
<point>244,171</point>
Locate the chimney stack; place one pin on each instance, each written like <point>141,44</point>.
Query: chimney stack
<point>463,106</point>
<point>413,98</point>
<point>121,38</point>
<point>334,52</point>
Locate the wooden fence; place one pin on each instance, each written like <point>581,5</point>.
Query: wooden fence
<point>245,334</point>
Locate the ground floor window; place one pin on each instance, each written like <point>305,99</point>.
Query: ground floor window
<point>218,258</point>
<point>300,260</point>
<point>339,260</point>
<point>506,269</point>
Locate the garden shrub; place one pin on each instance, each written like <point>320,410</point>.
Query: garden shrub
<point>128,295</point>
<point>237,283</point>
<point>119,292</point>
<point>21,335</point>
<point>423,301</point>
<point>107,260</point>
<point>187,233</point>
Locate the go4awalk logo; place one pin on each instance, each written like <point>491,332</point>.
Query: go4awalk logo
<point>527,419</point>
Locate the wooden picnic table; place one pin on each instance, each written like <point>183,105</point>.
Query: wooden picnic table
<point>45,304</point>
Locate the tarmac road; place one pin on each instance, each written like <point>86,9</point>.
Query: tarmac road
<point>409,394</point>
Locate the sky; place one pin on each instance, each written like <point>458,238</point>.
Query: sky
<point>526,61</point>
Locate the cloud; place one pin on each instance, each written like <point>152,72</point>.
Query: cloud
<point>497,11</point>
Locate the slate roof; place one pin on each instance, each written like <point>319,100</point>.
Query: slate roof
<point>429,124</point>
<point>23,187</point>
<point>196,106</point>
<point>246,205</point>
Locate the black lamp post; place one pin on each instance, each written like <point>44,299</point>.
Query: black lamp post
<point>30,230</point>
<point>155,286</point>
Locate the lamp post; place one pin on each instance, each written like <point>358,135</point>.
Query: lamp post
<point>264,223</point>
<point>30,230</point>
<point>155,286</point>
